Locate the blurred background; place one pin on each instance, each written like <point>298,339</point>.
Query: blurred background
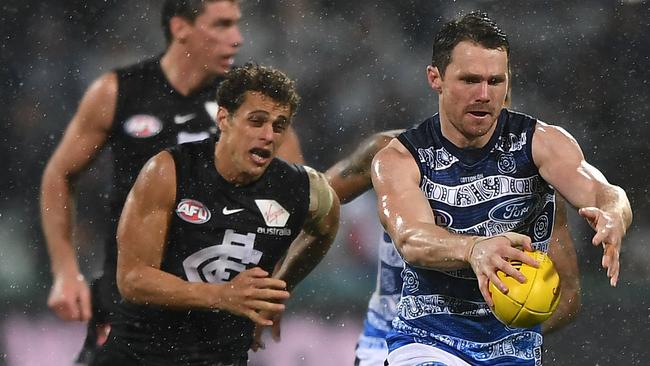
<point>360,67</point>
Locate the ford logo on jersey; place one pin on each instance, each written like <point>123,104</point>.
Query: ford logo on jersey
<point>193,211</point>
<point>514,210</point>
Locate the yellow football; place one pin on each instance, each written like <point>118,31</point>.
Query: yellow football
<point>530,303</point>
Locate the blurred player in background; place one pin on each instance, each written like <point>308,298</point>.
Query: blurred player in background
<point>136,111</point>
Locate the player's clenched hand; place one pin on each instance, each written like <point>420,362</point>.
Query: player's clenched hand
<point>487,255</point>
<point>70,297</point>
<point>252,292</point>
<point>610,230</point>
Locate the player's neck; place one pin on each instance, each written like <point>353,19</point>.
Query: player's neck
<point>181,71</point>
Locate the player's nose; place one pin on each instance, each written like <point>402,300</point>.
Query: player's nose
<point>483,92</point>
<point>236,37</point>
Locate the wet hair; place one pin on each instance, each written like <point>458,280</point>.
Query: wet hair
<point>188,9</point>
<point>256,78</point>
<point>476,27</point>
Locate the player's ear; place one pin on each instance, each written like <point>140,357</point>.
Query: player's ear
<point>508,100</point>
<point>222,118</point>
<point>179,27</point>
<point>435,78</point>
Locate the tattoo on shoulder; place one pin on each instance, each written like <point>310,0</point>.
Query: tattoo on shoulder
<point>356,166</point>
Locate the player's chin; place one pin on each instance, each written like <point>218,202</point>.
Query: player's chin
<point>477,131</point>
<point>478,128</point>
<point>256,168</point>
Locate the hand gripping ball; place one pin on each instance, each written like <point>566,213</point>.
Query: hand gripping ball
<point>530,303</point>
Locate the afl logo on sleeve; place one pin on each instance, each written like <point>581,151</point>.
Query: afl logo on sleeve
<point>193,211</point>
<point>142,126</point>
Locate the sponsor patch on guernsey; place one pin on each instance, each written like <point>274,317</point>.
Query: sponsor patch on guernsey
<point>274,214</point>
<point>514,210</point>
<point>193,211</point>
<point>142,126</point>
<point>279,231</point>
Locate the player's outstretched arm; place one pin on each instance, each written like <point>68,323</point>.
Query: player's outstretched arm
<point>563,254</point>
<point>605,206</point>
<point>406,215</point>
<point>141,238</point>
<point>85,135</point>
<point>350,177</point>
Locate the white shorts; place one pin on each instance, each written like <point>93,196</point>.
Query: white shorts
<point>416,354</point>
<point>371,351</point>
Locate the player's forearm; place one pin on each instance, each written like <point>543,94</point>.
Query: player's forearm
<point>351,176</point>
<point>613,199</point>
<point>347,187</point>
<point>56,217</point>
<point>422,247</point>
<point>148,285</point>
<point>304,254</point>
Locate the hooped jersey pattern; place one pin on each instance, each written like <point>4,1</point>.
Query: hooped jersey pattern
<point>483,192</point>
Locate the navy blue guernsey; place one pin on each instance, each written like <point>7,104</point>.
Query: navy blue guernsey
<point>483,192</point>
<point>217,231</point>
<point>151,115</point>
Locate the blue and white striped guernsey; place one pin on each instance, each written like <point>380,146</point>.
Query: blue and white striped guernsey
<point>483,192</point>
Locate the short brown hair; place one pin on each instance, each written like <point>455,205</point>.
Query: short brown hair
<point>264,79</point>
<point>476,27</point>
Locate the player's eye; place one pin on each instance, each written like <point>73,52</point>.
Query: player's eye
<point>280,126</point>
<point>471,80</point>
<point>256,120</point>
<point>496,80</point>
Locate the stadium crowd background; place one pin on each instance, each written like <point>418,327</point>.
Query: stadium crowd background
<point>584,65</point>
